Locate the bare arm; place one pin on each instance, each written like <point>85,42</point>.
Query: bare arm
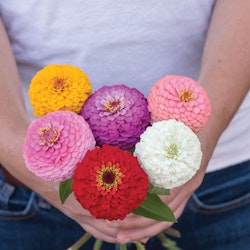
<point>14,123</point>
<point>13,120</point>
<point>225,66</point>
<point>225,74</point>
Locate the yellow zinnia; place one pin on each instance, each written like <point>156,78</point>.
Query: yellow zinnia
<point>59,87</point>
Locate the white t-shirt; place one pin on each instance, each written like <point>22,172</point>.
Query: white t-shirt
<point>130,42</point>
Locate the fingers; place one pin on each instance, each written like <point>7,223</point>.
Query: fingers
<point>96,227</point>
<point>144,241</point>
<point>139,234</point>
<point>137,228</point>
<point>131,221</point>
<point>108,235</point>
<point>133,228</point>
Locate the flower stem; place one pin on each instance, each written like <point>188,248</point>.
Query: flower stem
<point>139,246</point>
<point>97,245</point>
<point>172,232</point>
<point>123,247</point>
<point>167,242</point>
<point>80,242</point>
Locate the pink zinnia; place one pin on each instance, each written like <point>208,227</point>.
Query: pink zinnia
<point>55,143</point>
<point>180,98</point>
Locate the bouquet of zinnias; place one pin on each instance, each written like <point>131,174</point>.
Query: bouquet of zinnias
<point>115,149</point>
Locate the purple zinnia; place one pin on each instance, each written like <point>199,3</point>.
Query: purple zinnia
<point>117,115</point>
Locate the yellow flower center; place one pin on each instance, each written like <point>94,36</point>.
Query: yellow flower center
<point>172,151</point>
<point>186,95</point>
<point>108,177</point>
<point>113,106</point>
<point>49,136</point>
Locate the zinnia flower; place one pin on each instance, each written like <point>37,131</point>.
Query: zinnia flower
<point>59,87</point>
<point>110,183</point>
<point>169,152</point>
<point>179,98</point>
<point>117,115</point>
<point>55,143</point>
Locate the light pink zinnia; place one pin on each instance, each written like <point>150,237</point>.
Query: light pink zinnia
<point>180,98</point>
<point>55,143</point>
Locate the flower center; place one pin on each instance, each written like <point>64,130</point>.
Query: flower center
<point>186,96</point>
<point>172,151</point>
<point>108,177</point>
<point>113,106</point>
<point>60,84</point>
<point>49,136</point>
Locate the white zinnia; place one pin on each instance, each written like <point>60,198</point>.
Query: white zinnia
<point>169,152</point>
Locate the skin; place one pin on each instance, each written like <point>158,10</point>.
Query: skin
<point>225,75</point>
<point>14,123</point>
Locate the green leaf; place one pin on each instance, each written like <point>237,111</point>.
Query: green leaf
<point>154,208</point>
<point>65,189</point>
<point>131,150</point>
<point>158,190</point>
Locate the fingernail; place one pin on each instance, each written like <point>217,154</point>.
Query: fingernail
<point>114,224</point>
<point>128,240</point>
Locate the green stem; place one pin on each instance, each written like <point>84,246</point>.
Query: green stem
<point>139,246</point>
<point>167,242</point>
<point>97,245</point>
<point>80,242</point>
<point>123,247</point>
<point>172,232</point>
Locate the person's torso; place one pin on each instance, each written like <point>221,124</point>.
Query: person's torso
<point>130,42</point>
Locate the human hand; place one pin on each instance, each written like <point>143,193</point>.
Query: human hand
<point>72,208</point>
<point>138,228</point>
<point>132,228</point>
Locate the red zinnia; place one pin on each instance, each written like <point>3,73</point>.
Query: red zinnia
<point>110,183</point>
